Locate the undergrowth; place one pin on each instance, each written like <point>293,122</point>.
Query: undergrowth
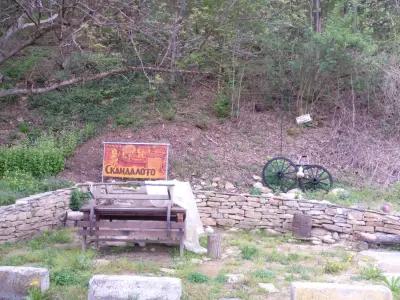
<point>30,167</point>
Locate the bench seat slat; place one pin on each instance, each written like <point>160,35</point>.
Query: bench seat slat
<point>132,224</point>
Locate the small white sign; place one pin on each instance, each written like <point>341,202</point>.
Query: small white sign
<point>303,119</point>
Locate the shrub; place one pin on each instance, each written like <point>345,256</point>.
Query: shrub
<point>222,106</point>
<point>78,198</point>
<point>197,277</point>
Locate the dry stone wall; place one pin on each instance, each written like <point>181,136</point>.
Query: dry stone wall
<point>33,214</point>
<point>330,222</point>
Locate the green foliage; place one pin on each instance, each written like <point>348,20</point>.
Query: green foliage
<point>222,106</point>
<point>94,103</point>
<point>49,238</point>
<point>393,284</point>
<point>196,277</point>
<point>35,294</point>
<point>78,198</point>
<point>65,277</point>
<point>264,275</point>
<point>371,273</point>
<point>39,159</point>
<point>23,127</point>
<point>334,267</point>
<point>18,184</point>
<point>18,69</point>
<point>249,252</point>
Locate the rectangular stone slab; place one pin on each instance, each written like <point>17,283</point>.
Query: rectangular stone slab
<point>15,282</point>
<point>124,287</point>
<point>336,291</point>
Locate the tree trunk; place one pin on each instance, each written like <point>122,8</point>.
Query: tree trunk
<point>214,245</point>
<point>379,238</point>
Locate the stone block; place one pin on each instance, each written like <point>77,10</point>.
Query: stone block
<point>16,281</point>
<point>253,215</point>
<point>121,287</point>
<point>336,291</point>
<point>226,222</point>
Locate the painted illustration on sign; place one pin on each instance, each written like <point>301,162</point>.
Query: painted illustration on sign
<point>135,160</point>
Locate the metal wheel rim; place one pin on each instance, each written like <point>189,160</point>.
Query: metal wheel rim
<point>280,173</point>
<point>316,178</point>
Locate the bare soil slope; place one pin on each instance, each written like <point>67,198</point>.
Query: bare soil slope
<point>237,149</point>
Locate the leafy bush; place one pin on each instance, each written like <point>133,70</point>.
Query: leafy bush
<point>19,184</point>
<point>40,159</point>
<point>197,277</point>
<point>78,198</point>
<point>222,106</point>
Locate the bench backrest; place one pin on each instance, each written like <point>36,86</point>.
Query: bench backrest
<point>137,194</point>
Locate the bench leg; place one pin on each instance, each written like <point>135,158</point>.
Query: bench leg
<point>84,242</point>
<point>181,245</point>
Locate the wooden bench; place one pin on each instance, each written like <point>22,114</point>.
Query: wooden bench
<point>126,212</point>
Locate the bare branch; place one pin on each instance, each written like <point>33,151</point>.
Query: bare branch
<point>72,81</point>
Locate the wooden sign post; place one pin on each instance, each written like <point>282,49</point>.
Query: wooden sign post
<point>135,161</point>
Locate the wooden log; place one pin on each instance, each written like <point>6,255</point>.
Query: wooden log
<point>379,238</point>
<point>214,245</point>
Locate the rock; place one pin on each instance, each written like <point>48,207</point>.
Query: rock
<point>336,291</point>
<point>121,287</point>
<point>258,185</point>
<point>257,178</point>
<point>335,236</point>
<point>361,246</point>
<point>294,194</point>
<point>340,193</point>
<point>272,232</point>
<point>269,287</point>
<point>203,183</point>
<point>216,179</point>
<point>234,278</point>
<point>74,215</point>
<point>328,239</point>
<point>229,299</point>
<point>316,242</point>
<point>167,271</point>
<point>229,186</point>
<point>386,208</point>
<point>209,230</point>
<point>196,261</point>
<point>16,281</point>
<point>319,231</point>
<point>101,262</point>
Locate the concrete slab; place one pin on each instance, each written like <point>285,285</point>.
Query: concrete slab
<point>336,291</point>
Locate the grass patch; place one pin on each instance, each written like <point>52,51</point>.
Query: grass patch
<point>197,277</point>
<point>369,197</point>
<point>371,273</point>
<point>263,275</point>
<point>249,252</point>
<point>334,267</point>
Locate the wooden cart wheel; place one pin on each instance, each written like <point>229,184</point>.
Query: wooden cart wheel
<point>315,178</point>
<point>279,173</point>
